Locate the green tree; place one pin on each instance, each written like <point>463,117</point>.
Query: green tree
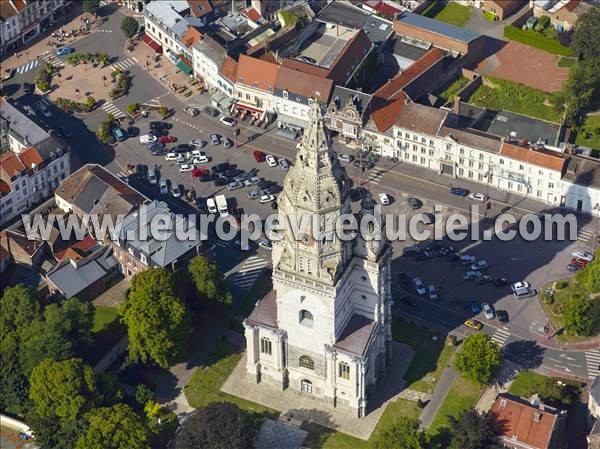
<point>589,277</point>
<point>581,91</point>
<point>586,38</point>
<point>580,317</point>
<point>129,27</point>
<point>40,342</point>
<point>91,102</point>
<point>473,430</point>
<point>151,409</point>
<point>116,427</point>
<point>479,358</point>
<point>14,385</point>
<point>50,433</point>
<point>209,280</point>
<point>62,390</point>
<point>404,433</point>
<point>74,320</point>
<point>219,425</point>
<point>143,394</point>
<point>132,108</point>
<point>91,6</point>
<point>157,320</point>
<point>19,306</point>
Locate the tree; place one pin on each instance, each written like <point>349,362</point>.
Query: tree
<point>589,277</point>
<point>40,342</point>
<point>90,101</point>
<point>473,430</point>
<point>143,394</point>
<point>581,91</point>
<point>580,318</point>
<point>116,427</point>
<point>151,409</point>
<point>19,306</point>
<point>74,320</point>
<point>91,6</point>
<point>479,359</point>
<point>14,385</point>
<point>404,433</point>
<point>129,27</point>
<point>157,320</point>
<point>132,108</point>
<point>209,280</point>
<point>62,390</point>
<point>221,425</point>
<point>586,39</point>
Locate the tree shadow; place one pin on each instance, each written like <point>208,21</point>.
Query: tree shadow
<point>526,353</point>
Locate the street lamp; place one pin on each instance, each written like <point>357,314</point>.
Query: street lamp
<point>597,213</point>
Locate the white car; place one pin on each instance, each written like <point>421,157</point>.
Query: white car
<point>198,143</point>
<point>469,275</point>
<point>284,165</point>
<point>180,160</point>
<point>45,111</point>
<point>229,121</point>
<point>384,199</point>
<point>185,167</point>
<point>164,186</point>
<point>265,244</point>
<point>175,191</point>
<point>200,159</point>
<point>488,312</point>
<point>266,198</point>
<point>432,292</point>
<point>479,265</point>
<point>152,176</point>
<point>145,139</point>
<point>582,254</point>
<point>171,156</point>
<point>477,196</point>
<point>466,259</point>
<point>519,285</point>
<point>271,161</point>
<point>419,286</point>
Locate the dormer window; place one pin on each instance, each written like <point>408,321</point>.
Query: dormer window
<point>143,259</point>
<point>285,94</point>
<point>130,251</point>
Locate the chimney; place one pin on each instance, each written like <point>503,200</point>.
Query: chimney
<point>456,106</point>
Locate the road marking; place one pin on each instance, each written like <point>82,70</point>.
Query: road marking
<point>112,109</point>
<point>122,65</point>
<point>197,128</point>
<point>51,58</point>
<point>27,67</point>
<point>248,272</point>
<point>500,337</point>
<point>592,359</point>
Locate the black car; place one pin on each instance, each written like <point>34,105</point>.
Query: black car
<point>132,131</point>
<point>358,193</point>
<point>265,183</point>
<point>182,148</point>
<point>502,316</point>
<point>232,172</point>
<point>500,282</point>
<point>219,182</point>
<point>274,205</point>
<point>485,279</point>
<point>403,280</point>
<point>210,111</point>
<point>201,205</point>
<point>158,132</point>
<point>433,245</point>
<point>160,125</point>
<point>140,171</point>
<point>206,178</point>
<point>414,203</point>
<point>219,168</point>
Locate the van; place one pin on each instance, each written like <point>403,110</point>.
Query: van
<point>527,292</point>
<point>211,206</point>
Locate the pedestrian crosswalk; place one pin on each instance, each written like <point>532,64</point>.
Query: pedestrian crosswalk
<point>586,233</point>
<point>110,108</point>
<point>105,2</point>
<point>592,360</point>
<point>375,175</point>
<point>27,67</point>
<point>248,272</point>
<point>51,58</point>
<point>123,65</point>
<point>500,336</point>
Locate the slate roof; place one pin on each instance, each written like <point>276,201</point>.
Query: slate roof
<point>21,124</point>
<point>457,128</point>
<point>422,119</point>
<point>167,11</point>
<point>437,27</point>
<point>342,93</point>
<point>213,51</point>
<point>357,335</point>
<point>265,311</point>
<point>584,171</point>
<point>350,16</point>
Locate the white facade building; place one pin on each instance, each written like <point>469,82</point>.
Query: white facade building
<point>209,57</point>
<point>325,329</point>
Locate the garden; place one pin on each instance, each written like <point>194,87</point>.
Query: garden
<point>452,13</point>
<point>588,133</point>
<point>542,36</point>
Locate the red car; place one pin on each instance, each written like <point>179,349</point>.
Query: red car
<point>580,262</point>
<point>259,156</point>
<point>199,172</point>
<point>167,139</point>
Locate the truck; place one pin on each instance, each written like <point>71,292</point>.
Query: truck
<point>222,205</point>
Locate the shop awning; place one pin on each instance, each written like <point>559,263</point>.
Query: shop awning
<point>248,108</point>
<point>152,43</point>
<point>185,68</point>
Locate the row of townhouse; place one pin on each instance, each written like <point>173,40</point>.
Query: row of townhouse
<point>23,20</point>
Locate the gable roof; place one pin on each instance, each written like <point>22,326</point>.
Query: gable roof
<point>7,10</point>
<point>422,119</point>
<point>229,68</point>
<point>309,86</point>
<point>191,36</point>
<point>256,73</point>
<point>10,166</point>
<point>200,8</point>
<point>357,335</point>
<point>386,116</point>
<point>265,312</point>
<point>524,423</point>
<point>12,239</point>
<point>252,14</point>
<point>541,158</point>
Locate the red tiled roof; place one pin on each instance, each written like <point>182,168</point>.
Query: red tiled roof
<point>4,187</point>
<point>77,249</point>
<point>387,9</point>
<point>547,159</point>
<point>393,86</point>
<point>200,7</point>
<point>252,14</point>
<point>303,67</point>
<point>256,73</point>
<point>309,86</point>
<point>524,423</point>
<point>191,37</point>
<point>7,10</point>
<point>386,116</point>
<point>10,165</point>
<point>229,68</point>
<point>30,156</point>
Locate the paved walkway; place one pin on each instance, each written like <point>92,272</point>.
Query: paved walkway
<point>438,396</point>
<point>308,408</point>
<point>280,435</point>
<point>114,296</point>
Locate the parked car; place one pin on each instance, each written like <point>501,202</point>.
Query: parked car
<point>132,131</point>
<point>218,168</point>
<point>145,139</point>
<point>185,168</point>
<point>220,181</point>
<point>479,265</point>
<point>428,218</point>
<point>477,197</point>
<point>160,125</point>
<point>253,195</point>
<point>167,139</point>
<point>576,261</point>
<point>164,186</point>
<point>284,164</point>
<point>119,134</point>
<point>228,121</point>
<point>582,254</point>
<point>345,158</point>
<point>414,203</point>
<point>44,110</point>
<point>474,306</point>
<point>152,176</point>
<point>467,260</point>
<point>419,286</point>
<point>214,138</point>
<point>176,191</point>
<point>502,316</point>
<point>199,172</point>
<point>259,156</point>
<point>488,312</point>
<point>485,279</point>
<point>62,51</point>
<point>191,111</point>
<point>234,185</point>
<point>500,282</point>
<point>469,275</point>
<point>432,292</point>
<point>473,324</point>
<point>198,143</point>
<point>458,191</point>
<point>519,285</point>
<point>182,148</point>
<point>227,143</point>
<point>384,199</point>
<point>210,111</point>
<point>207,177</point>
<point>573,267</point>
<point>408,300</point>
<point>254,180</point>
<point>266,198</point>
<point>271,161</point>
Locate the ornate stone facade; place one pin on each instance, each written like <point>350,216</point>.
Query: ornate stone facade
<point>325,330</point>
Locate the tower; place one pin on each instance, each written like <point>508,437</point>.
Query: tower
<point>325,328</point>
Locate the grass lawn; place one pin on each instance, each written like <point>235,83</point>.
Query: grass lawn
<point>205,384</point>
<point>528,383</point>
<point>463,395</point>
<point>104,317</point>
<point>431,357</point>
<point>537,40</point>
<point>320,437</point>
<point>106,331</point>
<point>449,12</point>
<point>515,97</point>
<point>566,63</point>
<point>588,134</point>
<point>451,90</point>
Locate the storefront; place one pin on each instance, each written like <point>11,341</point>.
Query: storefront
<point>253,115</point>
<point>152,43</point>
<point>31,32</point>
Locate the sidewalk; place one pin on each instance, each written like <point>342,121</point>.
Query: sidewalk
<point>438,396</point>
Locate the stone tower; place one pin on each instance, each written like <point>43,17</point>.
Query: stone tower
<point>325,328</point>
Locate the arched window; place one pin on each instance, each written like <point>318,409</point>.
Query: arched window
<point>306,318</point>
<point>306,362</point>
<point>344,370</point>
